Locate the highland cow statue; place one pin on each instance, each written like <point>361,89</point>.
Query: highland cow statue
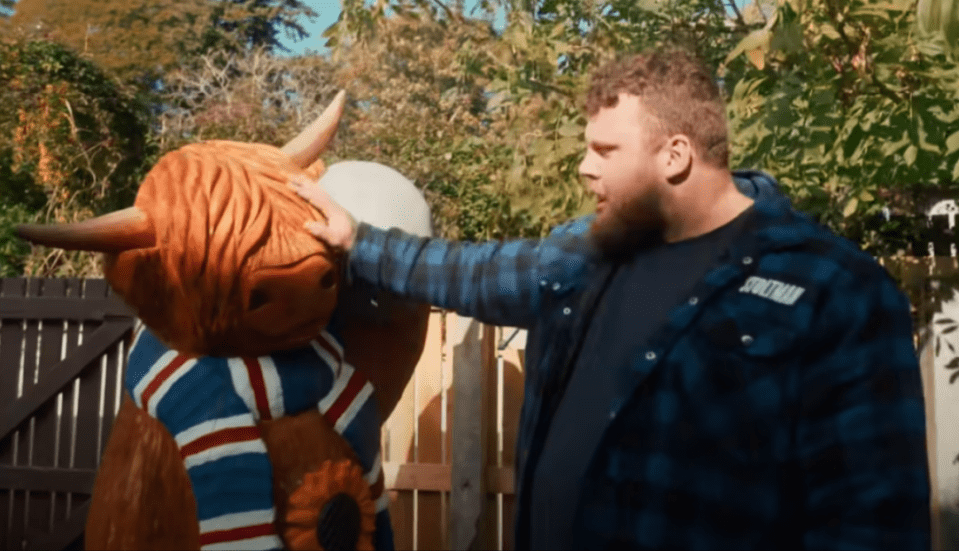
<point>257,386</point>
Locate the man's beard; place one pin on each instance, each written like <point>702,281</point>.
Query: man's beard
<point>624,231</point>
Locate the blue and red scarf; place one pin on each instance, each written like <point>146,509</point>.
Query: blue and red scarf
<point>211,406</point>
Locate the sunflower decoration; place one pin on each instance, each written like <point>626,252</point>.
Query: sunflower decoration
<point>332,509</point>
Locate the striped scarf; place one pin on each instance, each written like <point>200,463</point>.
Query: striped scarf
<point>211,406</point>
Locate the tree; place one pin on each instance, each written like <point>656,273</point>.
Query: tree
<point>73,143</point>
<point>939,20</point>
<point>417,79</point>
<point>251,96</point>
<point>854,111</point>
<point>142,39</point>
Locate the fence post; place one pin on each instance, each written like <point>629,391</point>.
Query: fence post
<point>468,490</point>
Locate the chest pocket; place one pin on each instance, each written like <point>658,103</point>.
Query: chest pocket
<point>748,336</point>
<point>737,352</point>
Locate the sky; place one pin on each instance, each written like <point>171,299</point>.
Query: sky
<point>328,11</point>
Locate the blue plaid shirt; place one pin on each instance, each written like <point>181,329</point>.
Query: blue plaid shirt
<point>780,406</point>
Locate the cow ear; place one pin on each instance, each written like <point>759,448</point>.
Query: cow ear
<point>315,138</point>
<point>116,232</point>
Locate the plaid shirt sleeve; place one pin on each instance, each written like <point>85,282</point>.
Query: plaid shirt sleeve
<point>861,435</point>
<point>500,283</point>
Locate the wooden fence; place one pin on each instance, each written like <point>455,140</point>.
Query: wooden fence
<point>62,355</point>
<point>61,360</point>
<point>422,460</point>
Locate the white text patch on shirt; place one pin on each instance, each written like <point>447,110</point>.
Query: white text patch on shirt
<point>777,291</point>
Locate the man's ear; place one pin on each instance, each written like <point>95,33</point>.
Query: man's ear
<point>678,158</point>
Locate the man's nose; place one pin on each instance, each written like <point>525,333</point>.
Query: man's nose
<point>587,168</point>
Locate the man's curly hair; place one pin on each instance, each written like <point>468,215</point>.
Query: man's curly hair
<point>678,91</point>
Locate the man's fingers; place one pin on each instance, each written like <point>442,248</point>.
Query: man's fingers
<point>339,229</point>
<point>320,231</point>
<point>301,180</point>
<point>314,194</point>
<point>304,189</point>
<point>315,227</point>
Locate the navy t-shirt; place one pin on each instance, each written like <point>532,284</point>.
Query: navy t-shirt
<point>642,292</point>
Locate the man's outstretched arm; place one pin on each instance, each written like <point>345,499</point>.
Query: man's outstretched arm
<point>496,282</point>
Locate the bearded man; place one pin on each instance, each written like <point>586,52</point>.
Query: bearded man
<point>706,367</point>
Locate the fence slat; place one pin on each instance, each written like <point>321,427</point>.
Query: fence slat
<point>88,416</point>
<point>71,397</point>
<point>469,384</point>
<point>11,346</point>
<point>47,414</point>
<point>430,506</point>
<point>47,478</point>
<point>22,501</point>
<point>31,346</point>
<point>62,308</point>
<point>65,535</point>
<point>116,361</point>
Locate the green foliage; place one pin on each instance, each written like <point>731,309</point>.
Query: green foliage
<point>853,113</point>
<point>17,186</point>
<point>141,39</point>
<point>13,251</point>
<point>417,82</point>
<point>939,20</point>
<point>73,142</point>
<point>243,24</point>
<point>94,131</point>
<point>20,200</point>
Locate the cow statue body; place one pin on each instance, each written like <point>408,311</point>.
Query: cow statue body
<point>258,382</point>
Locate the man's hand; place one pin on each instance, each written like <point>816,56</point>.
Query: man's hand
<point>339,231</point>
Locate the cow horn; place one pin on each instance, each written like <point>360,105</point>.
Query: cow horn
<point>313,140</point>
<point>115,232</point>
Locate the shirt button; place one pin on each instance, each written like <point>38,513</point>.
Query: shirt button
<point>650,355</point>
<point>694,301</point>
<point>747,339</point>
<point>567,311</point>
<point>747,260</point>
<point>612,415</point>
<point>542,283</point>
<point>556,286</point>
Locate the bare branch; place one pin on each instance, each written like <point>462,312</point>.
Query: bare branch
<point>739,15</point>
<point>449,13</point>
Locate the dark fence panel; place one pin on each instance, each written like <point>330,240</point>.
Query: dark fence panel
<point>62,346</point>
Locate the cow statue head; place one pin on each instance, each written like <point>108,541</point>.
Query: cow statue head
<point>213,256</point>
